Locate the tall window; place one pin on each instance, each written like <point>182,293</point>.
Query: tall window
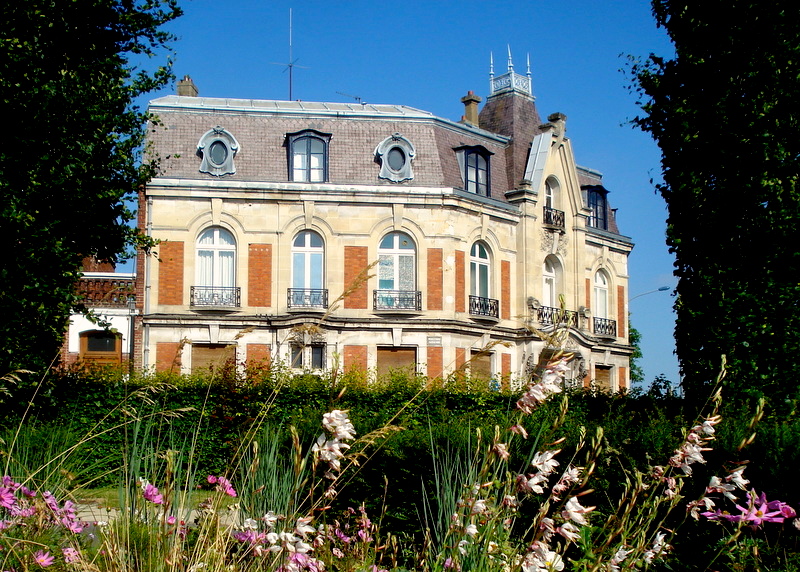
<point>479,266</point>
<point>308,156</point>
<point>396,262</point>
<point>598,206</point>
<point>550,188</point>
<point>216,258</point>
<point>600,309</point>
<point>308,270</point>
<point>476,170</point>
<point>551,282</point>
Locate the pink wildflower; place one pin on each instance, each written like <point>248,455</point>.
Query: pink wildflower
<point>43,558</point>
<point>7,498</point>
<point>71,555</point>
<point>151,494</point>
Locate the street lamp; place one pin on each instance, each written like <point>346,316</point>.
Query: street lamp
<point>659,289</point>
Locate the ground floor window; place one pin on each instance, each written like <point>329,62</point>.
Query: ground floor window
<point>212,356</point>
<point>480,365</point>
<point>308,357</point>
<point>101,347</point>
<point>602,378</point>
<point>396,359</point>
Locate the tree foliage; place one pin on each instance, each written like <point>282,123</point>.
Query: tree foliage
<point>724,112</point>
<point>71,153</point>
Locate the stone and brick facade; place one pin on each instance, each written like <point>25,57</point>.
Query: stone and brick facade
<point>404,238</point>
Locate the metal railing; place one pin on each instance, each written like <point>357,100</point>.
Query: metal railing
<point>479,306</point>
<point>397,300</point>
<point>557,316</point>
<point>553,217</point>
<point>605,327</point>
<point>307,298</point>
<point>215,296</point>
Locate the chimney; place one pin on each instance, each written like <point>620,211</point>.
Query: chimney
<point>187,87</point>
<point>471,102</point>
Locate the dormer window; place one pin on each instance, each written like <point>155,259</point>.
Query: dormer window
<point>474,163</point>
<point>217,147</point>
<point>395,154</point>
<point>308,156</point>
<point>599,207</point>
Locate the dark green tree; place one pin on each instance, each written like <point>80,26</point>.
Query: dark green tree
<point>635,340</point>
<point>70,156</point>
<point>725,113</point>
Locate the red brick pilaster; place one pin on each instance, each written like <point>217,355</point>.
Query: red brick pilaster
<point>505,370</point>
<point>259,275</point>
<point>435,363</point>
<point>505,290</point>
<point>355,262</point>
<point>461,281</point>
<point>170,273</point>
<point>355,357</point>
<point>621,317</point>
<point>434,294</point>
<point>258,354</point>
<point>588,293</point>
<point>168,356</point>
<point>623,378</point>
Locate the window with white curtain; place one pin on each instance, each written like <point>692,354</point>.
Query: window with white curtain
<point>216,258</point>
<point>600,309</point>
<point>551,282</point>
<point>308,270</point>
<point>396,262</point>
<point>479,267</point>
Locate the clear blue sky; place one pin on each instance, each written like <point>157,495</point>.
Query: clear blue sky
<point>428,54</point>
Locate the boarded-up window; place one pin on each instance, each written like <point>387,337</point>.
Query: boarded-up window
<point>101,347</point>
<point>393,359</point>
<point>480,365</point>
<point>602,378</point>
<point>212,356</point>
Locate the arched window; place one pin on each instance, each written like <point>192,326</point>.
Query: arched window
<point>550,193</point>
<point>479,267</point>
<point>551,215</point>
<point>480,303</point>
<point>308,271</point>
<point>551,282</point>
<point>216,269</point>
<point>600,308</point>
<point>397,272</point>
<point>308,156</point>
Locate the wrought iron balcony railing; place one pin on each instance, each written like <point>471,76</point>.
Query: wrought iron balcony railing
<point>216,296</point>
<point>557,316</point>
<point>553,217</point>
<point>484,307</point>
<point>397,300</point>
<point>307,298</point>
<point>605,327</point>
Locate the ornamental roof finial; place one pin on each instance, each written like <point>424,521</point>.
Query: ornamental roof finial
<point>510,62</point>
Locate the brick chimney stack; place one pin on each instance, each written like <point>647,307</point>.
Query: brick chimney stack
<point>471,102</point>
<point>187,87</point>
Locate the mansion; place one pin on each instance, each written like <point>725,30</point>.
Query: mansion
<point>377,237</point>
